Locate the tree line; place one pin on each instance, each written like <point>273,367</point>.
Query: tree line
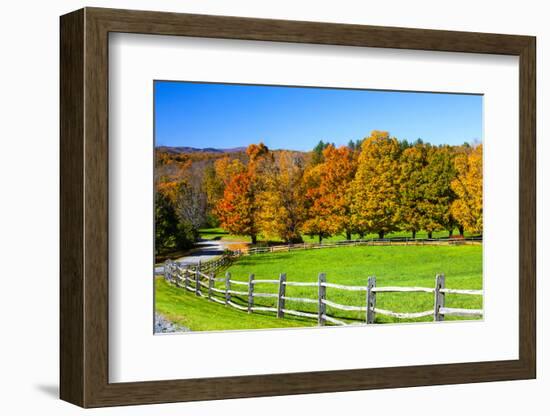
<point>377,185</point>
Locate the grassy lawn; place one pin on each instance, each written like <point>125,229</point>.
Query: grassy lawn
<point>198,314</point>
<point>221,234</point>
<point>392,266</point>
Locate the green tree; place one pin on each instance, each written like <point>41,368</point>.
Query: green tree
<point>170,232</point>
<point>213,187</point>
<point>412,189</point>
<point>317,153</point>
<point>439,173</point>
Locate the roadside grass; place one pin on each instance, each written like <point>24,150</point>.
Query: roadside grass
<point>392,266</point>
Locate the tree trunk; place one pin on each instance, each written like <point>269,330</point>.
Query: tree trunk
<point>450,233</point>
<point>380,234</point>
<point>254,238</point>
<point>320,238</point>
<point>414,234</point>
<point>348,235</point>
<point>461,230</point>
<point>361,235</point>
<point>429,234</point>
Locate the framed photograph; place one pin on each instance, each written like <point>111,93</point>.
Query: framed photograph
<point>254,207</point>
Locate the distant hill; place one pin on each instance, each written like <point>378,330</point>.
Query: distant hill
<point>186,149</point>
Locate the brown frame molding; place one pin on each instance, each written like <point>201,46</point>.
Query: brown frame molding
<point>84,207</point>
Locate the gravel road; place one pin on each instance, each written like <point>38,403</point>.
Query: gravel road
<point>164,326</point>
<point>204,250</point>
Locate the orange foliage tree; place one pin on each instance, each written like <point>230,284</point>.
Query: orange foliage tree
<point>329,193</point>
<point>238,210</point>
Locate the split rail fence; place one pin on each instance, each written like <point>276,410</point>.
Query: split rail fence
<point>203,284</point>
<point>211,266</point>
<point>394,241</point>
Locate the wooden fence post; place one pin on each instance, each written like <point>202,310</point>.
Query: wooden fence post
<point>166,270</point>
<point>227,287</point>
<point>250,292</point>
<point>197,282</point>
<point>371,300</point>
<point>186,277</point>
<point>322,307</point>
<point>439,301</point>
<point>175,274</point>
<point>280,300</point>
<point>211,284</point>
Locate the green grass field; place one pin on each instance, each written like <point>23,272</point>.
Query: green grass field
<point>221,234</point>
<point>392,266</point>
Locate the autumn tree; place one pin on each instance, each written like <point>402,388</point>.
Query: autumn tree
<point>238,210</point>
<point>412,188</point>
<point>339,172</point>
<point>330,193</point>
<point>375,186</point>
<point>438,173</point>
<point>316,223</point>
<point>227,167</point>
<point>256,154</point>
<point>170,167</point>
<point>468,186</point>
<point>378,184</point>
<point>282,210</point>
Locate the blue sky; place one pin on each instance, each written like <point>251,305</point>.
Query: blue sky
<point>228,115</point>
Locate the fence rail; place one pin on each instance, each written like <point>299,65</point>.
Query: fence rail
<point>203,284</point>
<point>364,242</point>
<point>206,268</point>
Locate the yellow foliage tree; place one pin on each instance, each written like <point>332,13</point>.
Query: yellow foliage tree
<point>226,167</point>
<point>375,206</point>
<point>468,186</point>
<point>281,202</point>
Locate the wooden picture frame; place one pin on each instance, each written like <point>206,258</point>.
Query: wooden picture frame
<point>84,207</point>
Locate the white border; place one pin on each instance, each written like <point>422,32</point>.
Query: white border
<point>136,355</point>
